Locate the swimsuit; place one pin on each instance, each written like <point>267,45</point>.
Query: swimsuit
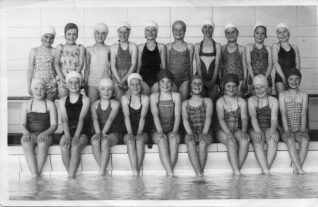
<point>207,73</point>
<point>293,112</point>
<point>73,111</point>
<point>98,66</point>
<point>166,114</point>
<point>263,115</point>
<point>134,115</point>
<point>232,63</point>
<point>38,121</point>
<point>286,60</point>
<point>233,118</point>
<point>103,115</point>
<point>259,62</point>
<point>123,61</point>
<point>179,65</point>
<point>69,59</point>
<point>150,65</point>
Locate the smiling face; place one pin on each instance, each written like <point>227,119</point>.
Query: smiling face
<point>47,40</point>
<point>38,91</point>
<point>135,86</point>
<point>231,34</point>
<point>165,85</point>
<point>106,92</point>
<point>123,34</point>
<point>207,30</point>
<point>259,35</point>
<point>178,31</point>
<point>230,89</point>
<point>196,86</point>
<point>260,90</point>
<point>71,36</point>
<point>282,34</point>
<point>100,36</point>
<point>150,33</point>
<point>74,85</point>
<point>293,81</point>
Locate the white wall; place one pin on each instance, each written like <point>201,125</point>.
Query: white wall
<point>23,30</point>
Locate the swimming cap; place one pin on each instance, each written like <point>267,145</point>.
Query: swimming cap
<point>133,76</point>
<point>164,73</point>
<point>260,80</point>
<point>180,22</point>
<point>231,78</point>
<point>282,25</point>
<point>74,74</point>
<point>151,23</point>
<point>106,82</point>
<point>229,25</point>
<point>36,81</point>
<point>48,30</point>
<point>124,24</point>
<point>101,27</point>
<point>208,22</point>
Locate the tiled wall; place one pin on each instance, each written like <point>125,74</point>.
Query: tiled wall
<point>24,29</point>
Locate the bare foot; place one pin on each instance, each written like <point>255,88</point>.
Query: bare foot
<point>237,173</point>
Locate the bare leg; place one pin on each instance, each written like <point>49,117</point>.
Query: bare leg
<point>66,154</point>
<point>62,91</point>
<point>28,148</point>
<point>140,147</point>
<point>194,158</point>
<point>291,144</point>
<point>303,148</point>
<point>93,94</point>
<point>203,154</point>
<point>43,148</point>
<point>155,87</point>
<point>173,148</point>
<point>106,144</point>
<point>243,148</point>
<point>118,92</point>
<point>163,153</point>
<point>76,154</point>
<point>184,90</point>
<point>232,151</point>
<point>260,153</point>
<point>272,146</point>
<point>145,88</point>
<point>279,88</point>
<point>132,154</point>
<point>96,147</point>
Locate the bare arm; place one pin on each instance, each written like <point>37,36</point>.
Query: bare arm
<point>134,56</point>
<point>24,112</point>
<point>249,61</point>
<point>163,56</point>
<point>155,112</point>
<point>95,118</point>
<point>87,66</point>
<point>217,63</point>
<point>274,114</point>
<point>270,62</point>
<point>253,115</point>
<point>197,59</point>
<point>31,69</point>
<point>283,112</point>
<point>279,70</point>
<point>220,113</point>
<point>112,116</point>
<point>244,115</point>
<point>168,47</point>
<point>83,114</point>
<point>177,111</point>
<point>185,118</point>
<point>140,50</point>
<point>208,115</point>
<point>297,56</point>
<point>244,62</point>
<point>144,111</point>
<point>191,48</point>
<point>124,105</point>
<point>113,62</point>
<point>57,63</point>
<point>304,111</point>
<point>81,60</point>
<point>64,118</point>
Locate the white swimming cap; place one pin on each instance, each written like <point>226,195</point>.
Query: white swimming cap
<point>260,80</point>
<point>48,30</point>
<point>74,74</point>
<point>101,27</point>
<point>106,82</point>
<point>151,23</point>
<point>208,22</point>
<point>282,25</point>
<point>124,24</point>
<point>258,24</point>
<point>229,25</point>
<point>37,81</point>
<point>133,76</point>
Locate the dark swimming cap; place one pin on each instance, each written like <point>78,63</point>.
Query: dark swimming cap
<point>231,78</point>
<point>164,74</point>
<point>69,26</point>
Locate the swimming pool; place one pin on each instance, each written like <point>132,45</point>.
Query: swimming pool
<point>93,187</point>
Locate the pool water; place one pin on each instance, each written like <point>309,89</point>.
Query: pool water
<point>93,187</point>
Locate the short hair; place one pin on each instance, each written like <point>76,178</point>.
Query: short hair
<point>69,26</point>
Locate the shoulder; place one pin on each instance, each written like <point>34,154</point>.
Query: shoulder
<point>252,100</point>
<point>220,101</point>
<point>268,47</point>
<point>154,96</point>
<point>249,46</point>
<point>241,101</point>
<point>185,103</point>
<point>303,94</point>
<point>26,105</point>
<point>241,48</point>
<point>114,103</point>
<point>124,99</point>
<point>62,101</point>
<point>208,101</point>
<point>132,45</point>
<point>169,45</point>
<point>190,45</point>
<point>282,95</point>
<point>161,45</point>
<point>50,104</point>
<point>144,98</point>
<point>95,104</point>
<point>295,47</point>
<point>275,46</point>
<point>85,99</point>
<point>272,99</point>
<point>176,95</point>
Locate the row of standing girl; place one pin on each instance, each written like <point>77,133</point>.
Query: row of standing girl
<point>40,121</point>
<point>123,58</point>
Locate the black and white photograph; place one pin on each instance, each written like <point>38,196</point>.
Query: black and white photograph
<point>159,103</point>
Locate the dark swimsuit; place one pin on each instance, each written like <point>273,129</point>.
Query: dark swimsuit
<point>103,116</point>
<point>286,60</point>
<point>263,115</point>
<point>73,111</point>
<point>207,73</point>
<point>166,114</point>
<point>134,115</point>
<point>37,121</point>
<point>150,65</point>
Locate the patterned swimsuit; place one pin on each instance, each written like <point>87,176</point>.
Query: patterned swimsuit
<point>232,63</point>
<point>293,112</point>
<point>123,61</point>
<point>263,115</point>
<point>166,114</point>
<point>233,118</point>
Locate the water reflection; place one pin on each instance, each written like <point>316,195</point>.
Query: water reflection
<point>93,187</point>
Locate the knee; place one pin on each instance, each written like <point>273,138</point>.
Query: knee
<point>141,139</point>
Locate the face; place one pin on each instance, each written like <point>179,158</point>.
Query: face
<point>259,35</point>
<point>150,33</point>
<point>196,86</point>
<point>207,30</point>
<point>135,86</point>
<point>260,90</point>
<point>106,92</point>
<point>100,36</point>
<point>282,34</point>
<point>178,31</point>
<point>165,85</point>
<point>74,85</point>
<point>47,40</point>
<point>230,89</point>
<point>231,34</point>
<point>38,91</point>
<point>123,34</point>
<point>293,81</point>
<point>71,36</point>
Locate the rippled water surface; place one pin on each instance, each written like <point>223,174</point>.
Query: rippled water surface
<point>92,187</point>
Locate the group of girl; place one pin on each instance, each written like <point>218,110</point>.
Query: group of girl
<point>124,80</point>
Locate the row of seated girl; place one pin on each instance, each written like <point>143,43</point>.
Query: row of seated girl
<point>213,61</point>
<point>40,121</point>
